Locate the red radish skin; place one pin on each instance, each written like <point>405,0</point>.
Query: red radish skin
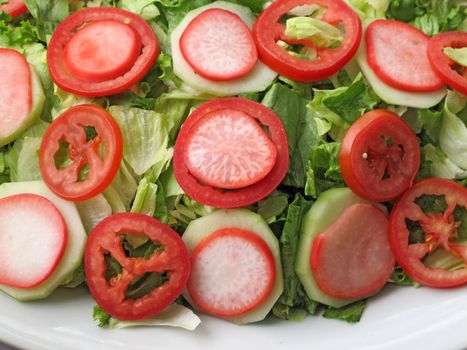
<point>228,149</point>
<point>233,271</point>
<point>397,53</point>
<point>219,46</point>
<point>15,91</point>
<point>33,237</point>
<point>352,258</point>
<point>102,50</point>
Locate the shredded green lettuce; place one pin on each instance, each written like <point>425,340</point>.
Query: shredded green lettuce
<point>319,32</point>
<point>457,55</point>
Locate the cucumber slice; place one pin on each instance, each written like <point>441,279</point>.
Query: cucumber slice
<point>38,100</point>
<point>200,228</point>
<point>257,80</point>
<point>328,207</point>
<point>394,96</point>
<point>73,255</point>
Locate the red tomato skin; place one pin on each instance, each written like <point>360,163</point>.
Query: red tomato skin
<point>63,34</point>
<point>109,295</point>
<point>14,8</point>
<point>221,198</point>
<point>398,233</point>
<point>266,32</point>
<point>442,64</point>
<point>350,160</point>
<point>108,132</point>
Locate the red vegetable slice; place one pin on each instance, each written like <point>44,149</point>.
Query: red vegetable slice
<point>101,154</point>
<point>233,271</point>
<point>102,50</point>
<point>124,61</point>
<point>219,46</point>
<point>33,237</point>
<point>15,91</point>
<point>220,197</point>
<point>228,149</point>
<point>397,53</point>
<point>268,30</point>
<point>440,226</point>
<point>14,8</point>
<point>352,258</point>
<point>173,259</point>
<point>443,65</point>
<point>380,156</point>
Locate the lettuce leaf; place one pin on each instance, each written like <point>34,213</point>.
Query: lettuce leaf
<point>368,9</point>
<point>351,313</point>
<point>93,211</point>
<point>47,14</point>
<point>144,8</point>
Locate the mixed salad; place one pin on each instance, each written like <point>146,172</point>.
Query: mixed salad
<point>238,158</point>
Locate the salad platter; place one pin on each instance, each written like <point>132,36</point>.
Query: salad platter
<point>196,174</point>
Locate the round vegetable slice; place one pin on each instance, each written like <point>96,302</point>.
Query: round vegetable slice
<point>77,166</point>
<point>442,64</point>
<point>219,46</point>
<point>427,218</point>
<point>397,53</point>
<point>110,293</point>
<point>220,197</point>
<point>122,52</point>
<point>32,240</point>
<point>380,156</point>
<point>228,149</point>
<point>14,8</point>
<point>268,30</point>
<point>352,258</point>
<point>232,272</point>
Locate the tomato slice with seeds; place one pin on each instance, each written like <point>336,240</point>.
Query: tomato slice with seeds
<point>268,30</point>
<point>101,51</point>
<point>172,260</point>
<point>380,156</point>
<point>245,170</point>
<point>429,217</point>
<point>100,156</point>
<point>443,65</point>
<point>14,8</point>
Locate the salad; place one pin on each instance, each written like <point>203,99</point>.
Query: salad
<point>233,158</point>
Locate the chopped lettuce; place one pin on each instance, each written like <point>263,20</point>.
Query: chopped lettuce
<point>319,32</point>
<point>47,14</point>
<point>93,211</point>
<point>351,313</point>
<point>368,9</point>
<point>145,8</point>
<point>457,55</point>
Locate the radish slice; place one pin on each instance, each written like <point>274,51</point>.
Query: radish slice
<point>228,149</point>
<point>15,92</point>
<point>397,53</point>
<point>352,258</point>
<point>233,271</point>
<point>33,236</point>
<point>102,50</point>
<point>219,46</point>
<point>257,80</point>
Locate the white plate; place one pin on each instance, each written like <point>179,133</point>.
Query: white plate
<point>399,318</point>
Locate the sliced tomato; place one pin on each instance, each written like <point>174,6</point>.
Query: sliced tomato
<point>442,64</point>
<point>244,168</point>
<point>101,51</point>
<point>14,8</point>
<point>233,271</point>
<point>219,46</point>
<point>352,258</point>
<point>440,225</point>
<point>380,156</point>
<point>33,237</point>
<point>100,156</point>
<point>15,93</point>
<point>172,259</point>
<point>397,53</point>
<point>268,30</point>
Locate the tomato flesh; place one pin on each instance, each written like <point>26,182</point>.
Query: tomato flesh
<point>442,64</point>
<point>102,154</point>
<point>102,50</point>
<point>228,149</point>
<point>14,8</point>
<point>380,156</point>
<point>267,31</point>
<point>220,197</point>
<point>174,260</point>
<point>440,231</point>
<point>233,271</point>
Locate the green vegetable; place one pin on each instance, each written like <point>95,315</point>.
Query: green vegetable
<point>100,316</point>
<point>457,55</point>
<point>145,8</point>
<point>351,313</point>
<point>319,32</point>
<point>368,9</point>
<point>48,14</point>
